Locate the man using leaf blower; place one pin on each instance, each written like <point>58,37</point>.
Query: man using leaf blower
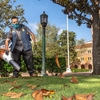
<point>20,35</point>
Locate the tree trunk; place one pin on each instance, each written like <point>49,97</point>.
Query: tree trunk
<point>96,43</point>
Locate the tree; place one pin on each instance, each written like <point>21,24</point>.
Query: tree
<point>86,12</point>
<point>51,39</point>
<point>63,45</point>
<point>7,10</point>
<point>56,43</point>
<point>80,42</point>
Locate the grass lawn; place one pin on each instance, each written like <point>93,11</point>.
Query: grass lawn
<point>62,86</point>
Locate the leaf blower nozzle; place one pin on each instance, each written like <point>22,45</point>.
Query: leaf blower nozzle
<point>15,65</point>
<point>8,58</point>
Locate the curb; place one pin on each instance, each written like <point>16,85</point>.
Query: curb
<point>78,74</point>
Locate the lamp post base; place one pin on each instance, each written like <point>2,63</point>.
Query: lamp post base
<point>68,70</point>
<point>43,73</point>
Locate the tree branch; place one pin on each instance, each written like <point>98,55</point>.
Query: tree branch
<point>93,3</point>
<point>80,16</point>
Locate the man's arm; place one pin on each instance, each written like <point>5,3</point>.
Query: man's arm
<point>7,44</point>
<point>30,33</point>
<point>9,36</point>
<point>33,37</point>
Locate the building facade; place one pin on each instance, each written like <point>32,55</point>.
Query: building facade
<point>84,55</point>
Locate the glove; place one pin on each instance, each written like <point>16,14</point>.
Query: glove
<point>7,52</point>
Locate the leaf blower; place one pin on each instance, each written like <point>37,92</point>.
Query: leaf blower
<point>8,59</point>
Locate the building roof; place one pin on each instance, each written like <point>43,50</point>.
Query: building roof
<point>86,45</point>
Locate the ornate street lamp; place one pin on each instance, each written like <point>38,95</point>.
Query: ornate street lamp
<point>43,21</point>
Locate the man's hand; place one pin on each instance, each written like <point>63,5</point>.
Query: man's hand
<point>7,52</point>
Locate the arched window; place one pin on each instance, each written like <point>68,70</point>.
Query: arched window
<point>82,66</point>
<point>89,66</point>
<point>76,66</point>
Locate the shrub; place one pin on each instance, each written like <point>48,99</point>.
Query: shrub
<point>80,70</point>
<point>5,68</point>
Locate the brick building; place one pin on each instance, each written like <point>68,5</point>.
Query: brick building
<point>84,54</point>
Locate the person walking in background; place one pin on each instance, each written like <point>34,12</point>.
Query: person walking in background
<point>19,35</point>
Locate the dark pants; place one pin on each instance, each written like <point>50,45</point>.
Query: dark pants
<point>28,59</point>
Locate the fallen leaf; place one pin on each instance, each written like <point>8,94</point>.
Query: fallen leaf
<point>47,92</point>
<point>90,97</point>
<point>32,86</point>
<point>65,98</point>
<point>82,95</point>
<point>77,97</point>
<point>13,83</point>
<point>17,87</point>
<point>13,94</point>
<point>57,61</point>
<point>37,95</point>
<point>17,95</point>
<point>74,80</point>
<point>87,96</point>
<point>52,91</point>
<point>61,75</point>
<point>9,94</point>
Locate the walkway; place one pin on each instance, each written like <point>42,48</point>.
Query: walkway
<point>77,74</point>
<point>25,74</point>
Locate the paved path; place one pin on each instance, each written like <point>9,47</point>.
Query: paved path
<point>25,74</point>
<point>77,74</point>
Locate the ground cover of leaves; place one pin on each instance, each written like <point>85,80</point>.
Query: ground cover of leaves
<point>53,87</point>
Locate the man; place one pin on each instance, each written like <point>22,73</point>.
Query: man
<point>19,35</point>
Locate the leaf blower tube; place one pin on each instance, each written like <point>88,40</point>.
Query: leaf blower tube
<point>9,59</point>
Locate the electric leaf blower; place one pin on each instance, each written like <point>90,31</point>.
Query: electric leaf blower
<point>8,59</point>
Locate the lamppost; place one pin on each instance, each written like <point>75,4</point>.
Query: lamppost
<point>43,21</point>
<point>68,67</point>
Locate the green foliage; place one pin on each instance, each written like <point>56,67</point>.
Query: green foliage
<point>80,70</point>
<point>51,37</point>
<point>55,44</point>
<point>23,66</point>
<point>5,68</point>
<point>50,65</point>
<point>7,10</point>
<point>80,11</point>
<point>38,64</point>
<point>80,42</point>
<point>63,44</point>
<point>86,12</point>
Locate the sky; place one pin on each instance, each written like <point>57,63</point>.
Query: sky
<point>34,8</point>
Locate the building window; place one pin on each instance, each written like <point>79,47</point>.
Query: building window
<point>82,52</point>
<point>89,58</point>
<point>89,51</point>
<point>90,66</point>
<point>82,67</point>
<point>82,59</point>
<point>76,66</point>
